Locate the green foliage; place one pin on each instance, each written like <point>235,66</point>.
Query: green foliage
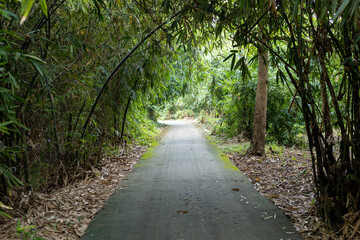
<point>27,232</point>
<point>186,113</point>
<point>143,130</point>
<point>51,69</point>
<point>284,121</point>
<point>235,148</point>
<point>4,214</point>
<point>275,148</point>
<point>176,110</point>
<point>202,63</point>
<point>225,100</point>
<point>9,177</point>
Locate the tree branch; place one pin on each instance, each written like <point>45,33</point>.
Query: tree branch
<point>118,66</point>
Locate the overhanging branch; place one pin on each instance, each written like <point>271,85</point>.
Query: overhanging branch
<point>117,68</point>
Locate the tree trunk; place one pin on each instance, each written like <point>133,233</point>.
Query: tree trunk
<point>126,110</point>
<point>257,145</point>
<point>25,157</point>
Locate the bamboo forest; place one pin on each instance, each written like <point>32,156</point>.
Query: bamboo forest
<point>96,95</point>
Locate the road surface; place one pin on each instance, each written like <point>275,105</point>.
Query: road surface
<point>185,189</point>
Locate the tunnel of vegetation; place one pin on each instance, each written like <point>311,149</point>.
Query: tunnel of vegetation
<point>80,77</point>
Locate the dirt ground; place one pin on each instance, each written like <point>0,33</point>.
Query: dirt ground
<point>285,178</point>
<point>67,212</point>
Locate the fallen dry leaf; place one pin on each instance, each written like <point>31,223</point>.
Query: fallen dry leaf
<point>66,213</point>
<point>182,211</point>
<point>286,179</point>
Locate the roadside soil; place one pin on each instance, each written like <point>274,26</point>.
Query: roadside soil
<point>67,212</point>
<point>285,178</point>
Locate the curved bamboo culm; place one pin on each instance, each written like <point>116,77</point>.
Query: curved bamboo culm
<point>118,66</point>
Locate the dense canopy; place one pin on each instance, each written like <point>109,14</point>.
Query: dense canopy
<point>79,78</point>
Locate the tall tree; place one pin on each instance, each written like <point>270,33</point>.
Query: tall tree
<point>257,145</point>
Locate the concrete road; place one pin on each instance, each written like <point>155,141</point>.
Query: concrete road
<point>185,189</point>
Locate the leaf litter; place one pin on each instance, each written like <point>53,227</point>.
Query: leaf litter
<point>286,179</point>
<point>67,212</point>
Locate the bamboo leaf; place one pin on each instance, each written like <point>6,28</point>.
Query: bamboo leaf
<point>14,83</point>
<point>355,17</point>
<point>4,129</point>
<point>166,5</point>
<point>32,57</point>
<point>296,7</point>
<point>4,214</point>
<point>26,6</point>
<point>239,62</point>
<point>3,206</point>
<point>341,9</point>
<point>323,10</point>
<point>218,30</point>
<point>44,7</point>
<point>229,56</point>
<point>233,62</point>
<point>38,67</point>
<point>9,176</point>
<point>333,7</point>
<point>7,14</point>
<point>98,9</point>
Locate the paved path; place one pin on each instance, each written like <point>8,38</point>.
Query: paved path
<point>184,189</point>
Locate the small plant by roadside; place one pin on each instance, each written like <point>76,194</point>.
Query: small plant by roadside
<point>27,232</point>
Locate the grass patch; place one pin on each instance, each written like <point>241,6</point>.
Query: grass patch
<point>239,148</point>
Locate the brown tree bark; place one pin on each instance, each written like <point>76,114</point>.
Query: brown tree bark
<point>257,145</point>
